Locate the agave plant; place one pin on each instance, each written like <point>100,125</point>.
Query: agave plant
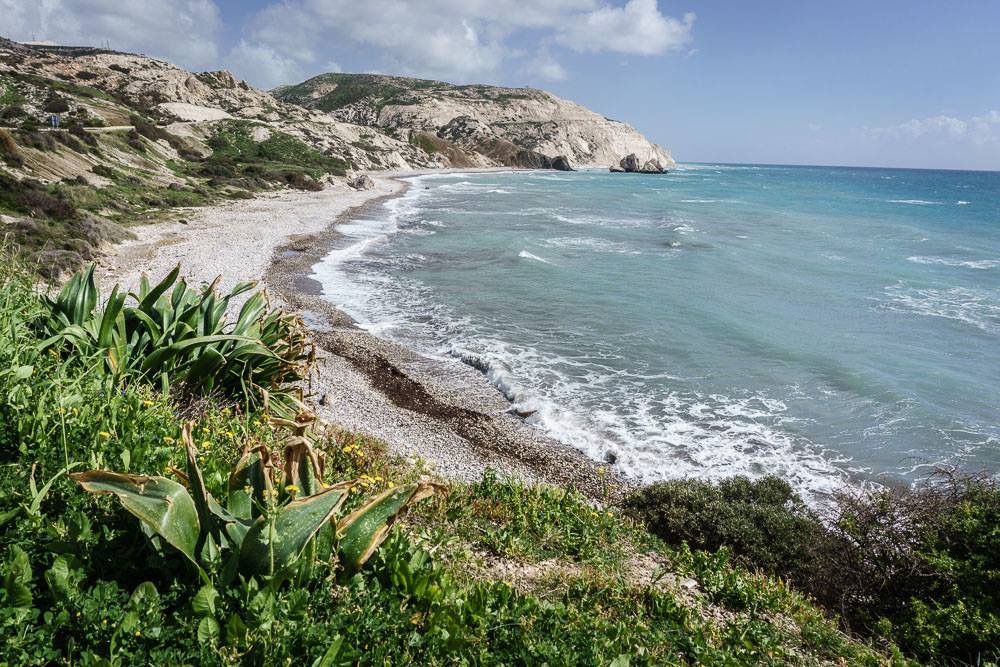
<point>174,334</point>
<point>273,513</point>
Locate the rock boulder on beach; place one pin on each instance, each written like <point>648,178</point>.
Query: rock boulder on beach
<point>362,182</point>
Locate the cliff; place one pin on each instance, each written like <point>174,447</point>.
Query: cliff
<point>475,117</point>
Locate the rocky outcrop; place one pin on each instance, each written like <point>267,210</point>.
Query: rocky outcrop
<point>633,165</point>
<point>362,182</point>
<point>630,163</point>
<point>530,119</point>
<point>561,163</point>
<point>652,166</point>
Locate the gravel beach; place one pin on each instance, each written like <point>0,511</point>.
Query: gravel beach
<point>444,413</point>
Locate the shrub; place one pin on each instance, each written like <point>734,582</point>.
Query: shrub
<point>42,141</point>
<point>8,150</point>
<point>31,197</point>
<point>762,522</point>
<point>919,565</point>
<point>106,172</point>
<point>916,566</point>
<point>76,129</point>
<point>56,104</point>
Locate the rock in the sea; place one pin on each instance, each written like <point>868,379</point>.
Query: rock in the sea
<point>561,163</point>
<point>362,182</point>
<point>630,163</point>
<point>615,169</point>
<point>652,167</point>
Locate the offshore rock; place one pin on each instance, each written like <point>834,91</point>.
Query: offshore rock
<point>630,163</point>
<point>652,167</point>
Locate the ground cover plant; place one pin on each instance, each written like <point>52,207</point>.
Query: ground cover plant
<point>492,572</point>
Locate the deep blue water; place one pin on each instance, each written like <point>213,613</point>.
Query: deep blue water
<point>814,322</point>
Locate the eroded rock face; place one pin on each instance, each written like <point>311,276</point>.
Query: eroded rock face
<point>615,169</point>
<point>630,163</point>
<point>463,128</point>
<point>528,118</point>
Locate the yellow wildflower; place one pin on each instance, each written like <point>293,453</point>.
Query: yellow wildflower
<point>292,489</point>
<point>230,434</point>
<point>206,445</point>
<point>138,634</point>
<point>601,471</point>
<point>148,403</point>
<point>104,435</point>
<point>168,440</point>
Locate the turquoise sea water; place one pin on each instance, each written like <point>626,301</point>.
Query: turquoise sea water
<point>808,321</point>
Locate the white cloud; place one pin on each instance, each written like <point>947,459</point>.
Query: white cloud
<point>264,66</point>
<point>463,40</point>
<point>638,27</point>
<point>183,31</point>
<point>545,67</point>
<point>978,130</point>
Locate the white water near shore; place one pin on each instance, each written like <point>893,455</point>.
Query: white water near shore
<point>502,272</point>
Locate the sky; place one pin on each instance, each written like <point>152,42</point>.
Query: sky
<point>898,83</point>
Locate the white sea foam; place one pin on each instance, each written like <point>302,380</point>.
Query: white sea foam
<point>584,243</point>
<point>977,307</point>
<point>652,437</point>
<point>961,202</point>
<point>524,254</point>
<point>698,201</point>
<point>981,264</point>
<point>915,202</point>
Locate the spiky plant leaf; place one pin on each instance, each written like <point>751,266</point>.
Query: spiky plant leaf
<point>269,547</point>
<point>363,530</point>
<point>164,505</point>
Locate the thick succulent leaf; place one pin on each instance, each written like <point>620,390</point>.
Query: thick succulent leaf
<point>148,297</point>
<point>266,550</point>
<point>162,504</point>
<point>196,483</point>
<point>362,531</point>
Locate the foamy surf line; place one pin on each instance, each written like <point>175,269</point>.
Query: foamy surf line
<point>646,439</point>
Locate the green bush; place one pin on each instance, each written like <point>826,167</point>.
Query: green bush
<point>762,522</point>
<point>918,566</point>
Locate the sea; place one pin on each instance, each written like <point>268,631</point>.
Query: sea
<point>824,324</point>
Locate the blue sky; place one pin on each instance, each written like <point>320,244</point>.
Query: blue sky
<point>886,82</point>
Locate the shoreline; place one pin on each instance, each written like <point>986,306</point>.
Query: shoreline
<point>446,414</point>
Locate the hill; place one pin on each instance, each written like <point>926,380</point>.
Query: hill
<point>476,118</point>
